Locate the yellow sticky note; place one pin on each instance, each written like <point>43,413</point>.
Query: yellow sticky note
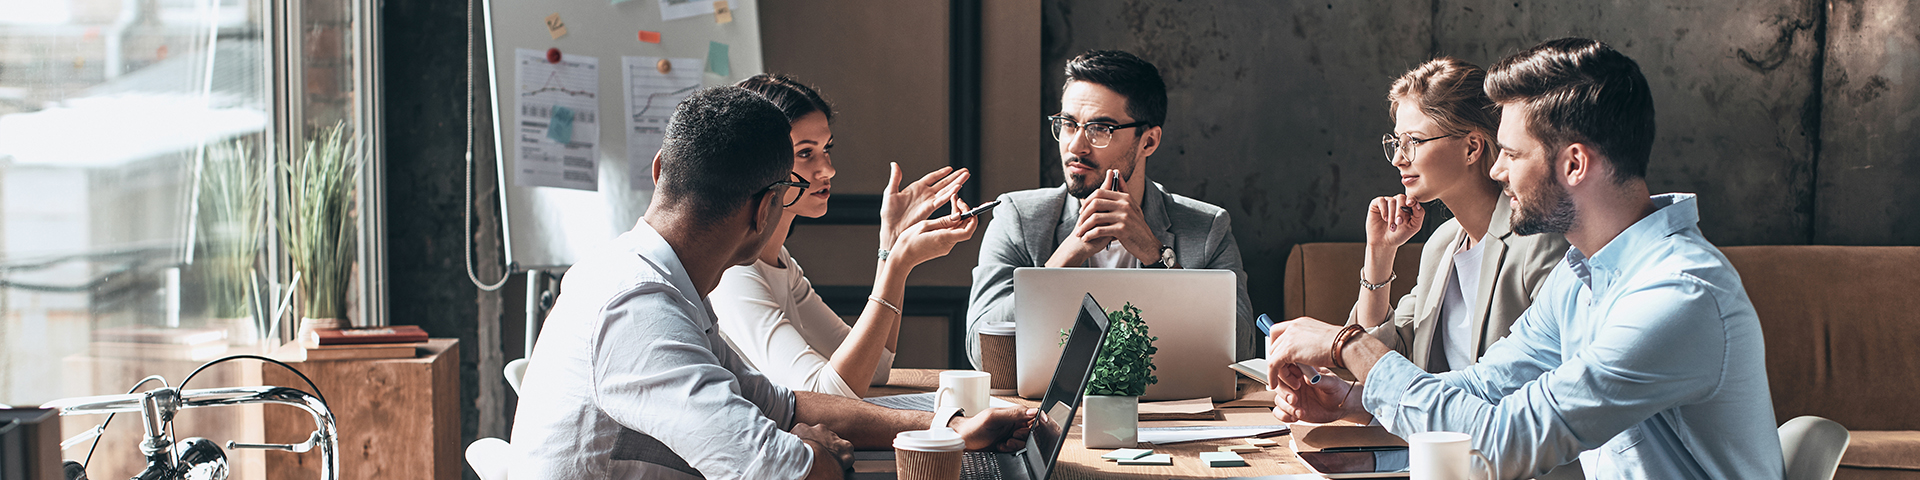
<point>555,27</point>
<point>721,14</point>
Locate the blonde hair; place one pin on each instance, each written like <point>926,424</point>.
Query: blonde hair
<point>1450,91</point>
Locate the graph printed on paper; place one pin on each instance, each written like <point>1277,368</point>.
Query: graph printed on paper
<point>651,99</point>
<point>557,151</point>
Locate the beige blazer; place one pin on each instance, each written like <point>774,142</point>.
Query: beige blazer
<point>1511,272</point>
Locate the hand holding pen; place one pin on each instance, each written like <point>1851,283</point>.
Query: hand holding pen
<point>1265,324</point>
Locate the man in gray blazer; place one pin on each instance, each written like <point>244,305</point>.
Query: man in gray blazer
<point>1110,115</point>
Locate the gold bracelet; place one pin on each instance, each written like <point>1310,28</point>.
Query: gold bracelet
<point>884,303</point>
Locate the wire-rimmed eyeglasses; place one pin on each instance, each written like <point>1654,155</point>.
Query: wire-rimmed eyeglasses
<point>1392,144</point>
<point>1099,134</point>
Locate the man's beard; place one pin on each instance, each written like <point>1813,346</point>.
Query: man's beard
<point>1081,185</point>
<point>1535,217</point>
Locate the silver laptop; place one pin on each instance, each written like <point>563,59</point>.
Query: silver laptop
<point>1049,433</point>
<point>1191,311</point>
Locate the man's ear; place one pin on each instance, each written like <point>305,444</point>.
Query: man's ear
<point>1578,163</point>
<point>656,169</point>
<point>1149,141</point>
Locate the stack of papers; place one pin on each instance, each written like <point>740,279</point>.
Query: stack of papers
<point>1222,459</point>
<point>1171,435</point>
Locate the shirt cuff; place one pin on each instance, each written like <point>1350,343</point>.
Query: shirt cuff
<point>1390,380</point>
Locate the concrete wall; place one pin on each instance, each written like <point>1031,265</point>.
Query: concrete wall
<point>1276,108</point>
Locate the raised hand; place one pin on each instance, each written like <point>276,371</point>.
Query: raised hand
<point>1391,221</point>
<point>903,205</point>
<point>935,237</point>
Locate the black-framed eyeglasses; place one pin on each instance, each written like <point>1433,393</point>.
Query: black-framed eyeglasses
<point>796,187</point>
<point>1099,134</point>
<point>1392,144</point>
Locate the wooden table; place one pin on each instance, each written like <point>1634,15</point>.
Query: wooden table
<point>1077,461</point>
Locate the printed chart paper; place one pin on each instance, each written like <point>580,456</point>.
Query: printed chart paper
<point>557,101</point>
<point>651,98</point>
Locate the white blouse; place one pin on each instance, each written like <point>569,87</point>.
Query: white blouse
<point>773,318</point>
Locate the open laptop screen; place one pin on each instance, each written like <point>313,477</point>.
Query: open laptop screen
<point>1063,393</point>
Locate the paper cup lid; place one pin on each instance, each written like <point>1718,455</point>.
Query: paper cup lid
<point>996,328</point>
<point>937,440</point>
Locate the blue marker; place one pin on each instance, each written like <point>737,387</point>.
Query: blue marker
<point>1265,324</point>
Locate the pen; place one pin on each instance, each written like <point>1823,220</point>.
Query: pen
<point>1265,324</point>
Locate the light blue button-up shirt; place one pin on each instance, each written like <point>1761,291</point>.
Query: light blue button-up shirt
<point>1646,356</point>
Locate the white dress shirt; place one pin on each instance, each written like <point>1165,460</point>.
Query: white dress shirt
<point>631,351</point>
<point>773,318</point>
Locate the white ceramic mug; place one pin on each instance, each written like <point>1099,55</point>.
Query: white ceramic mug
<point>963,389</point>
<point>1443,456</point>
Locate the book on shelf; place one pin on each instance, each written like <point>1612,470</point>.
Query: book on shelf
<point>360,351</point>
<point>360,336</point>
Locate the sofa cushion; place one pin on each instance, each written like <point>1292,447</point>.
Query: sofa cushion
<point>1841,331</point>
<point>1883,449</point>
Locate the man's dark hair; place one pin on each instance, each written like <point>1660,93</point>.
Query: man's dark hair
<point>1577,90</point>
<point>795,99</point>
<point>724,146</point>
<point>1128,76</point>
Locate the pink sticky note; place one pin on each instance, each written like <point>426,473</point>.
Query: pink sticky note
<point>649,37</point>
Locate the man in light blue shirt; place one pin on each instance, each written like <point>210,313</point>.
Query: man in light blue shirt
<point>1641,355</point>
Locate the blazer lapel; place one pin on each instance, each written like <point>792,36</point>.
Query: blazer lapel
<point>1155,208</point>
<point>1491,261</point>
<point>1427,318</point>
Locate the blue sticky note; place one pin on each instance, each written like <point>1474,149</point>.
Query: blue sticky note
<point>717,59</point>
<point>560,126</point>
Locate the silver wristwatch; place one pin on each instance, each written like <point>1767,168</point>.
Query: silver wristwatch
<point>1166,258</point>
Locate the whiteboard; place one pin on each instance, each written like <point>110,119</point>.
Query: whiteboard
<point>549,227</point>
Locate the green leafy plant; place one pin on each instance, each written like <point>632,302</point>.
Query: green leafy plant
<point>317,221</point>
<point>231,220</point>
<point>1124,367</point>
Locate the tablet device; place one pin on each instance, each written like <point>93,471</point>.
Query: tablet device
<point>1372,463</point>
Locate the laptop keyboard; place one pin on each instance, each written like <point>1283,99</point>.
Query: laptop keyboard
<point>979,466</point>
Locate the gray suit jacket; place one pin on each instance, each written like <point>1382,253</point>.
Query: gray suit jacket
<point>1199,233</point>
<point>1511,272</point>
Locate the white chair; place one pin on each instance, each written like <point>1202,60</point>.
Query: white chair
<point>1812,447</point>
<point>516,370</point>
<point>488,456</point>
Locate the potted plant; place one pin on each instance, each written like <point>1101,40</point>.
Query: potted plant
<point>1120,376</point>
<point>231,222</point>
<point>317,224</point>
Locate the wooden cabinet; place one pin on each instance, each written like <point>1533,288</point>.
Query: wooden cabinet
<point>398,418</point>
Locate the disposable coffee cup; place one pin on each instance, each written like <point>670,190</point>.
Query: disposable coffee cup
<point>997,357</point>
<point>928,454</point>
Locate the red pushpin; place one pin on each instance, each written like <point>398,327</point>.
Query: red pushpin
<point>553,55</point>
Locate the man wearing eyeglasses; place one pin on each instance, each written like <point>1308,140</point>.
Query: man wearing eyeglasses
<point>1107,214</point>
<point>631,378</point>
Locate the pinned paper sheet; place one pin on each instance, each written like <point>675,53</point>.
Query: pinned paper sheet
<point>555,27</point>
<point>678,9</point>
<point>617,2</point>
<point>560,126</point>
<point>649,37</point>
<point>717,59</point>
<point>722,14</point>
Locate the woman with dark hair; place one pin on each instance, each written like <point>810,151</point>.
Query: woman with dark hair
<point>768,310</point>
<point>1476,275</point>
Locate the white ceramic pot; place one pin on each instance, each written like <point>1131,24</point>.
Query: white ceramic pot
<point>1112,422</point>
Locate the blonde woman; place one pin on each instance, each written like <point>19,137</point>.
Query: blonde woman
<point>1476,275</point>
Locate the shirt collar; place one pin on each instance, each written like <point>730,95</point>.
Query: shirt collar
<point>1673,213</point>
<point>652,248</point>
